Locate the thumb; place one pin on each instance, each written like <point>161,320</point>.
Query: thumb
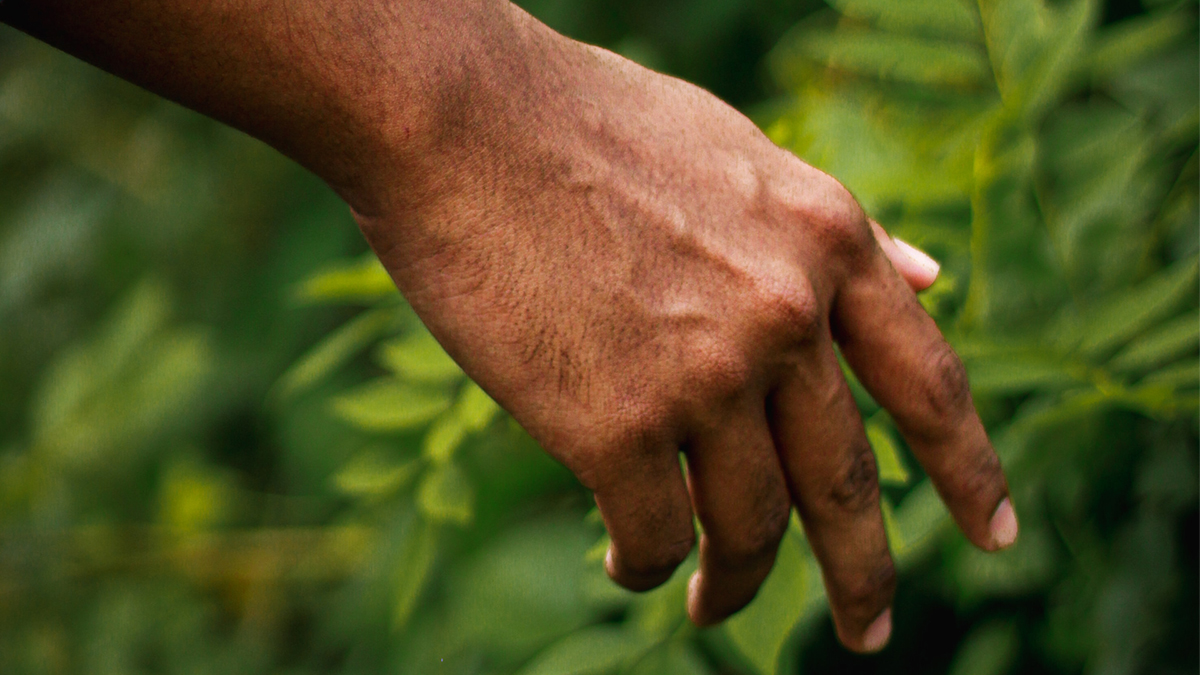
<point>917,268</point>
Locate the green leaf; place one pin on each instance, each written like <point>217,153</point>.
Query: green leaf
<point>1025,567</point>
<point>1126,43</point>
<point>1127,314</point>
<point>1005,373</point>
<point>887,454</point>
<point>475,408</point>
<point>990,649</point>
<point>676,657</point>
<point>334,350</point>
<point>107,396</point>
<point>362,280</point>
<point>471,413</point>
<point>1185,374</point>
<point>792,592</point>
<point>940,18</point>
<point>374,473</point>
<point>599,550</point>
<point>420,358</point>
<point>446,495</point>
<point>890,56</point>
<point>590,651</point>
<point>917,521</point>
<point>387,404</point>
<point>1166,342</point>
<point>660,612</point>
<point>443,438</point>
<point>417,555</point>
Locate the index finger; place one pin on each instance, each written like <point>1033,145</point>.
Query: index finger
<point>904,362</point>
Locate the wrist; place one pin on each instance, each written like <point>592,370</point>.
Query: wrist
<point>492,82</point>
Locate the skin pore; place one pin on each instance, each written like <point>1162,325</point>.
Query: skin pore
<point>625,263</point>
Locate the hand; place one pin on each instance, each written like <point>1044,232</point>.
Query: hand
<point>633,270</point>
<point>621,260</point>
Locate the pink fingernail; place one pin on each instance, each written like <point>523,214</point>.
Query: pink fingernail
<point>1003,526</point>
<point>918,256</point>
<point>878,633</point>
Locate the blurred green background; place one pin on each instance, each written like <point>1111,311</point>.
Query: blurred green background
<point>227,446</point>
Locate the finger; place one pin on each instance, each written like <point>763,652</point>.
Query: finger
<point>831,472</point>
<point>644,502</point>
<point>742,501</point>
<point>917,268</point>
<point>904,362</point>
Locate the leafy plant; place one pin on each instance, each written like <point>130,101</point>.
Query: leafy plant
<point>385,516</point>
<point>1051,166</point>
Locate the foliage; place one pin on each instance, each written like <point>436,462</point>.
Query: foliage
<point>379,513</point>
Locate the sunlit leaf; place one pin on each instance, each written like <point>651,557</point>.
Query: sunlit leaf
<point>362,280</point>
<point>335,350</point>
<point>887,454</point>
<point>373,473</point>
<point>443,438</point>
<point>792,591</point>
<point>475,408</point>
<point>446,495</point>
<point>660,612</point>
<point>387,404</point>
<point>418,357</point>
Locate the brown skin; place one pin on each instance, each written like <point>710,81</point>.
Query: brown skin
<point>621,260</point>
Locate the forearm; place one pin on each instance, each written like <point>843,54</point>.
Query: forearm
<point>344,87</point>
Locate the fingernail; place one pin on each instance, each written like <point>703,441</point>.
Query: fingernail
<point>877,634</point>
<point>918,256</point>
<point>1003,526</point>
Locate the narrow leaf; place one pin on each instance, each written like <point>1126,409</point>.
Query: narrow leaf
<point>372,473</point>
<point>761,630</point>
<point>593,650</point>
<point>1006,373</point>
<point>362,280</point>
<point>386,404</point>
<point>420,358</point>
<point>413,569</point>
<point>333,351</point>
<point>475,408</point>
<point>1170,340</point>
<point>938,18</point>
<point>890,56</point>
<point>887,455</point>
<point>1131,312</point>
<point>446,495</point>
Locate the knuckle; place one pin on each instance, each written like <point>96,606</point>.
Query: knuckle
<point>758,541</point>
<point>840,221</point>
<point>945,392</point>
<point>983,479</point>
<point>715,368</point>
<point>855,487</point>
<point>791,308</point>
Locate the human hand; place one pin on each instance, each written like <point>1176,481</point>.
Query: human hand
<point>633,270</point>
